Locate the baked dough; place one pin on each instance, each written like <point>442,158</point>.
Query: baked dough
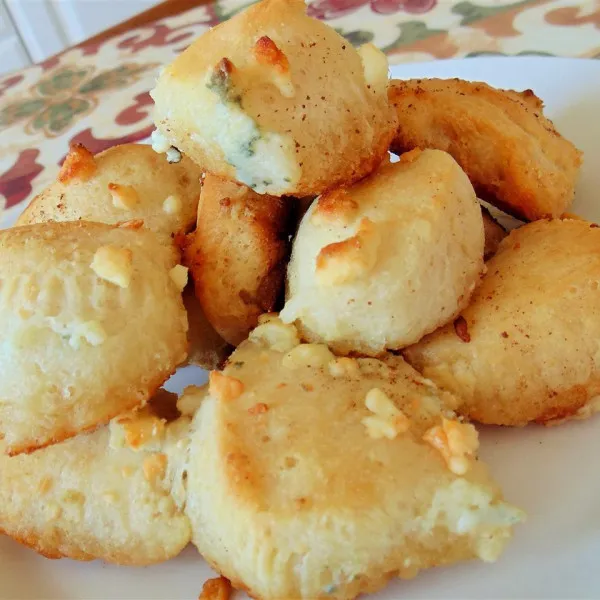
<point>122,183</point>
<point>378,265</point>
<point>511,152</point>
<point>309,476</point>
<point>278,101</point>
<point>105,494</point>
<point>207,348</point>
<point>237,255</point>
<point>526,348</point>
<point>91,324</point>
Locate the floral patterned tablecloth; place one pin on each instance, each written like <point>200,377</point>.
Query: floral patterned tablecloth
<point>98,94</point>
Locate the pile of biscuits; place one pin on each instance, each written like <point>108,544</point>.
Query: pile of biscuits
<point>357,310</point>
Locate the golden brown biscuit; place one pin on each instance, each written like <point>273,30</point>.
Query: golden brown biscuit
<point>526,348</point>
<point>511,152</point>
<point>91,324</point>
<point>237,255</point>
<point>105,494</point>
<point>493,233</point>
<point>310,475</point>
<point>122,183</point>
<point>207,348</point>
<point>278,101</point>
<point>378,265</point>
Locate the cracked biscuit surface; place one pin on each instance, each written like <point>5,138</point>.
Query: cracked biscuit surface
<point>311,475</point>
<point>91,324</point>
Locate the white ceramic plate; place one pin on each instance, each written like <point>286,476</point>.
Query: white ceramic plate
<point>554,474</point>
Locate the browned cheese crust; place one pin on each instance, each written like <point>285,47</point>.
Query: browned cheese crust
<point>218,588</point>
<point>123,183</point>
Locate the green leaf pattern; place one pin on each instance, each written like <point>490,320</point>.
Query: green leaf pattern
<point>69,93</point>
<point>13,113</point>
<point>113,79</point>
<point>411,32</point>
<point>63,80</point>
<point>472,12</point>
<point>358,37</point>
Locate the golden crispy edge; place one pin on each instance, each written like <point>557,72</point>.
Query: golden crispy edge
<point>79,164</point>
<point>368,585</point>
<point>65,433</point>
<point>32,542</point>
<point>266,220</point>
<point>515,197</point>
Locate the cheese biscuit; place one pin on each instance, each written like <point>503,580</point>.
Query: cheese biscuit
<point>114,494</point>
<point>380,264</point>
<point>526,348</point>
<point>91,324</point>
<point>513,155</point>
<point>278,101</point>
<point>124,183</point>
<point>313,476</point>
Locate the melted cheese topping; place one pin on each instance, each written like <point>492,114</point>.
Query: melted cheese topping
<point>375,67</point>
<point>466,508</point>
<point>160,143</point>
<point>114,265</point>
<point>179,276</point>
<point>263,160</point>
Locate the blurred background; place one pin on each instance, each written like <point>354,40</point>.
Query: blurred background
<point>33,30</point>
<point>80,71</point>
